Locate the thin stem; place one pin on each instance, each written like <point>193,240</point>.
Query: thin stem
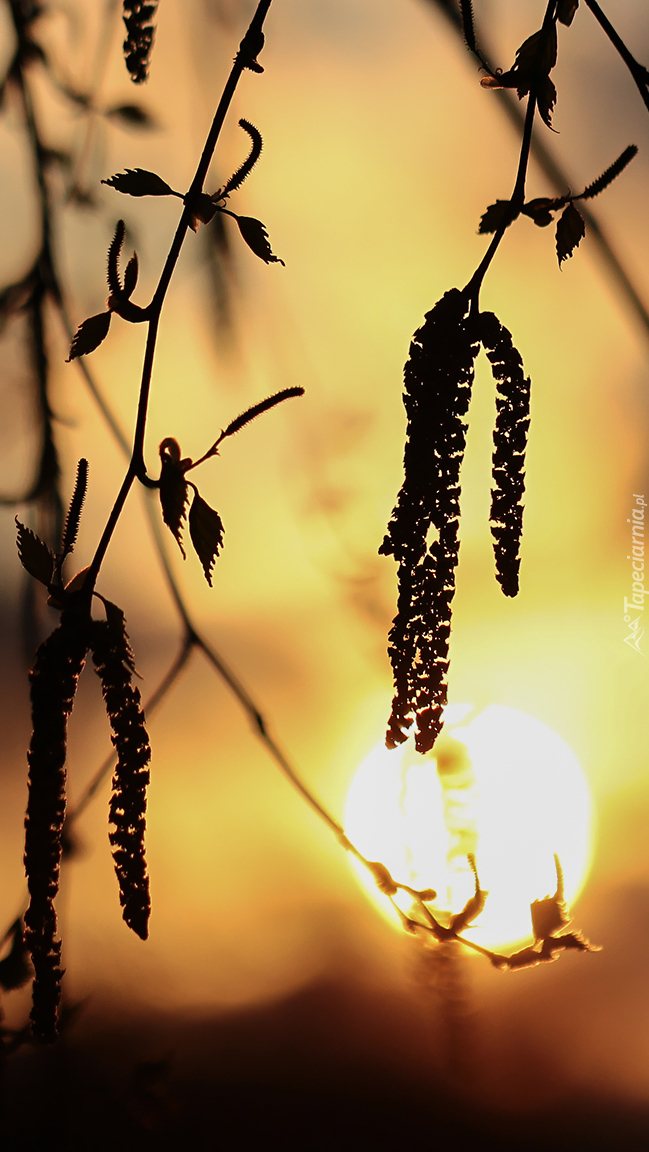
<point>472,289</point>
<point>253,39</point>
<point>638,71</point>
<point>556,174</point>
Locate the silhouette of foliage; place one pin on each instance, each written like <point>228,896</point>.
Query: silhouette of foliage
<point>172,488</point>
<point>535,59</point>
<point>114,664</point>
<point>90,335</point>
<point>422,535</point>
<point>510,439</point>
<point>34,554</point>
<point>438,378</point>
<point>498,215</point>
<point>256,236</point>
<point>206,532</point>
<point>140,33</point>
<point>205,526</point>
<point>571,230</point>
<point>53,683</point>
<point>139,182</point>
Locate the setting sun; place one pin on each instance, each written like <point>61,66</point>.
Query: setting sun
<point>501,785</point>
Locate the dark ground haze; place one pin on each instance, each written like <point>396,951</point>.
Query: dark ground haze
<point>327,1068</point>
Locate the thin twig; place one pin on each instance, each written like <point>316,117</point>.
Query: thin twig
<point>554,172</point>
<point>638,71</point>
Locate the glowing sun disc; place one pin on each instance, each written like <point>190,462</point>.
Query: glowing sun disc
<point>501,785</point>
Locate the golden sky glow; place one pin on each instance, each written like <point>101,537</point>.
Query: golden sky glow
<point>381,151</point>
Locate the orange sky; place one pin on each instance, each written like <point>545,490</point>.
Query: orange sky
<point>381,152</point>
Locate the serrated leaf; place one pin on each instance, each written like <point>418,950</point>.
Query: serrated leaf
<point>34,554</point>
<point>173,489</point>
<point>496,216</point>
<point>89,335</point>
<point>546,98</point>
<point>571,229</point>
<point>139,182</point>
<point>256,237</point>
<point>132,116</point>
<point>130,276</point>
<point>206,532</point>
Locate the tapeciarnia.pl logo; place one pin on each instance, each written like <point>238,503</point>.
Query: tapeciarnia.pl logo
<point>635,606</point>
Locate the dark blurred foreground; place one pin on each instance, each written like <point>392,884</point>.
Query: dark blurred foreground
<point>331,1067</point>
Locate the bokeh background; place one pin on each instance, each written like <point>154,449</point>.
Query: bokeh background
<point>266,963</point>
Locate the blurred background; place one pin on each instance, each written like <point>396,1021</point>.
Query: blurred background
<point>267,965</point>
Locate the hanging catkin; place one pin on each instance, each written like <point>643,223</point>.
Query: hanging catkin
<point>423,531</point>
<point>113,660</point>
<point>53,684</point>
<point>510,441</point>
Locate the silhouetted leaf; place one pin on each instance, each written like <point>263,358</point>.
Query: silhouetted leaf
<point>71,527</point>
<point>535,59</point>
<point>546,98</point>
<point>139,182</point>
<point>438,379</point>
<point>206,532</point>
<point>566,10</point>
<point>130,276</point>
<point>89,335</point>
<point>173,489</point>
<point>510,440</point>
<point>53,685</point>
<point>497,215</point>
<point>610,174</point>
<point>34,554</point>
<point>256,237</point>
<point>113,660</point>
<point>132,116</point>
<point>571,229</point>
<point>246,168</point>
<point>15,969</point>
